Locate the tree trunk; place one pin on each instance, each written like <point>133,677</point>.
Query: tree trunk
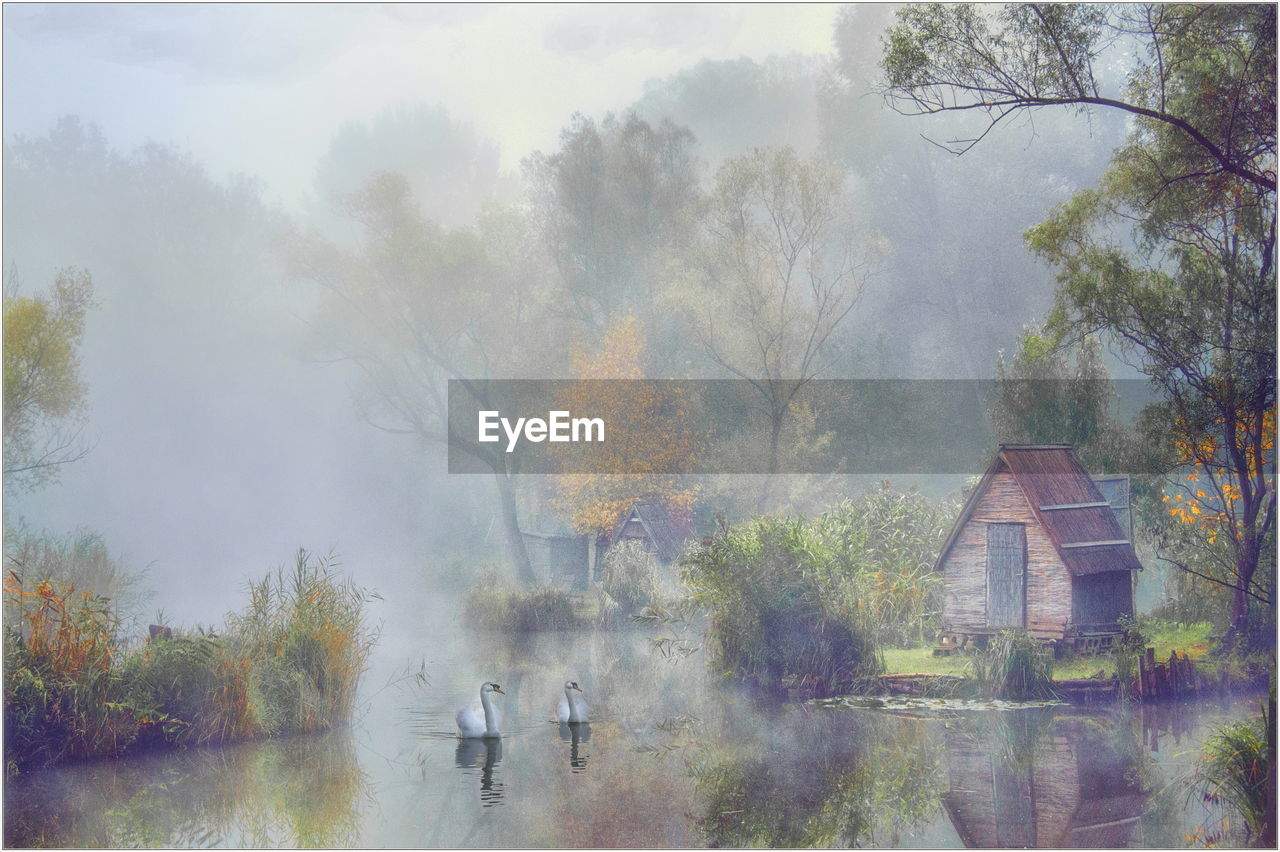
<point>516,550</point>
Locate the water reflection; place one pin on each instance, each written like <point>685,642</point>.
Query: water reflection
<point>575,735</point>
<point>484,753</point>
<point>301,792</point>
<point>1036,779</point>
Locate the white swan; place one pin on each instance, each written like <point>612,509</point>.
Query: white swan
<point>482,721</point>
<point>570,709</point>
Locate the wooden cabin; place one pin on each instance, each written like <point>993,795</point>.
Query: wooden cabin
<point>651,524</point>
<point>559,559</point>
<point>1039,546</point>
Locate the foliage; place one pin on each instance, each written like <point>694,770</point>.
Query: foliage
<point>1042,398</point>
<point>1126,654</point>
<point>61,686</point>
<point>777,272</point>
<point>81,559</point>
<point>1201,75</point>
<point>304,635</point>
<point>415,305</point>
<point>779,615</point>
<point>495,605</point>
<point>1236,771</point>
<point>290,663</point>
<point>652,436</point>
<point>630,575</point>
<point>890,540</point>
<point>43,392</point>
<point>1014,665</point>
<point>611,201</point>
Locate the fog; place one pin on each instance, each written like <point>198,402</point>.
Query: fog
<point>178,152</point>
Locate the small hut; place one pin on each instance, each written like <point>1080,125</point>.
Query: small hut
<point>558,559</point>
<point>651,524</point>
<point>1038,546</point>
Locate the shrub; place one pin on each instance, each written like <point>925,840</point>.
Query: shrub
<point>1014,665</point>
<point>495,605</point>
<point>289,663</point>
<point>781,613</point>
<point>630,576</point>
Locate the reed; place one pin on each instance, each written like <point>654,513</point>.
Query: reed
<point>289,663</point>
<point>493,604</point>
<point>1014,665</point>
<point>1236,772</point>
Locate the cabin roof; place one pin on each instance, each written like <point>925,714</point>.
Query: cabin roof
<point>1066,502</point>
<point>667,537</point>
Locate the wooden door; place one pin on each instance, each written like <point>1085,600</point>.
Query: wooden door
<point>1006,575</point>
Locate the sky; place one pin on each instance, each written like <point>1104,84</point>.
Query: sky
<point>261,88</point>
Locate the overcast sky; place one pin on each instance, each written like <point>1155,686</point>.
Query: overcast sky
<point>262,88</point>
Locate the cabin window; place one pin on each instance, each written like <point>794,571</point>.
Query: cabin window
<point>1006,575</point>
<point>1098,600</point>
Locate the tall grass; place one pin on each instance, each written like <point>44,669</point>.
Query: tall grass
<point>1236,771</point>
<point>782,613</point>
<point>1014,665</point>
<point>290,662</point>
<point>497,605</point>
<point>630,576</point>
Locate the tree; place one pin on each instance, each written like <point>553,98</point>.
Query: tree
<point>612,203</point>
<point>1042,397</point>
<point>1173,254</point>
<point>43,391</point>
<point>416,305</point>
<point>1204,73</point>
<point>655,436</point>
<point>777,272</point>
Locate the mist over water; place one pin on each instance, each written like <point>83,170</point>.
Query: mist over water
<point>249,185</point>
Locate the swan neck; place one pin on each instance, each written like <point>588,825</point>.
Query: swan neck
<point>486,703</point>
<point>573,704</point>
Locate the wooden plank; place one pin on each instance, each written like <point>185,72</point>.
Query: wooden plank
<point>1006,574</point>
<point>1111,543</point>
<point>1100,504</point>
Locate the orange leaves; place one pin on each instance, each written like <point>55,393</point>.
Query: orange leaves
<point>71,632</point>
<point>648,434</point>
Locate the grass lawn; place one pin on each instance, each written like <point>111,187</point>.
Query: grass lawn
<point>1192,640</point>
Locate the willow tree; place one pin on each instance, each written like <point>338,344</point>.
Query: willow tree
<point>43,390</point>
<point>415,305</point>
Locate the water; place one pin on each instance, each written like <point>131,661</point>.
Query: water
<point>669,759</point>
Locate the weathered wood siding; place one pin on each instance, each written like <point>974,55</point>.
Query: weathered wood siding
<point>965,568</point>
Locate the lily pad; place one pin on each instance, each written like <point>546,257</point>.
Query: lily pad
<point>929,706</point>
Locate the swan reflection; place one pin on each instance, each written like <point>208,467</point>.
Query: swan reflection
<point>486,754</point>
<point>574,735</point>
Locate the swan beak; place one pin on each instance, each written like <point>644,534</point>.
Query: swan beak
<point>575,686</point>
<point>497,688</point>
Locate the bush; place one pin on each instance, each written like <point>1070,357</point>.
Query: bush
<point>1015,665</point>
<point>630,576</point>
<point>495,605</point>
<point>781,613</point>
<point>290,663</point>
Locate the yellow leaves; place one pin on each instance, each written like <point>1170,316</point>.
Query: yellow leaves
<point>651,435</point>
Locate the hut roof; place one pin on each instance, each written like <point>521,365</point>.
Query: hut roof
<point>1066,502</point>
<point>667,536</point>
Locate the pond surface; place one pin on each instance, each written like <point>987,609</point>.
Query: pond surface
<point>669,759</point>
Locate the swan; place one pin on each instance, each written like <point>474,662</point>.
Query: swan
<point>570,709</point>
<point>476,722</point>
